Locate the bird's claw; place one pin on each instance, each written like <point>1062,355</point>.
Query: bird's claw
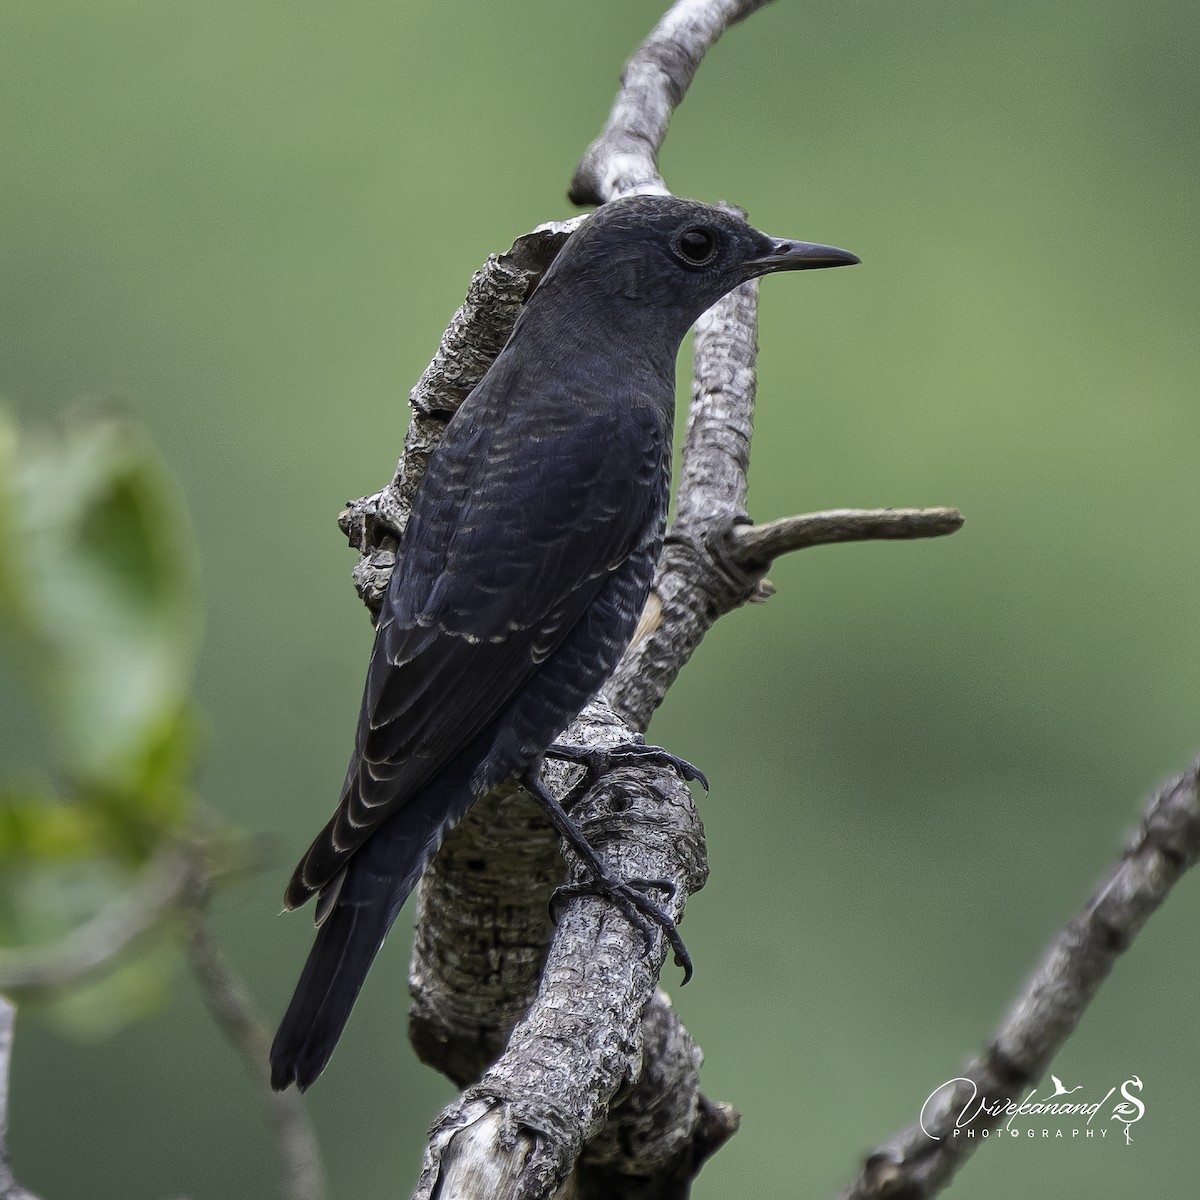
<point>630,896</point>
<point>597,760</point>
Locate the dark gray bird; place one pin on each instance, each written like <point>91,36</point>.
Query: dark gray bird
<point>524,568</point>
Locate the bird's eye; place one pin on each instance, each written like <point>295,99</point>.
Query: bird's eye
<point>696,246</point>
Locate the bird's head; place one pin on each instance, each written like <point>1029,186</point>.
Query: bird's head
<point>672,258</point>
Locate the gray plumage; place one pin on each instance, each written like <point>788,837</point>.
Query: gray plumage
<point>523,571</point>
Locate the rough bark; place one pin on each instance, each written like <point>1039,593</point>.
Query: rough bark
<point>476,334</point>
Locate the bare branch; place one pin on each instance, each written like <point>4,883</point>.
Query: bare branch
<point>714,560</point>
<point>10,1189</point>
<point>482,929</point>
<point>498,860</point>
<point>664,1130</point>
<point>623,160</point>
<point>226,1000</point>
<point>761,544</point>
<point>696,582</point>
<point>177,881</point>
<point>473,1152</point>
<point>583,1037</point>
<point>1052,1001</point>
<point>716,448</point>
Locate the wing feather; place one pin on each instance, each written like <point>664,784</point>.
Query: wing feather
<point>511,538</point>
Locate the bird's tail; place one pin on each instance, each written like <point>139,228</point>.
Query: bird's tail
<point>354,914</point>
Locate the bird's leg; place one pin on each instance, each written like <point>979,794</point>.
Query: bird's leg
<point>629,895</point>
<point>596,761</point>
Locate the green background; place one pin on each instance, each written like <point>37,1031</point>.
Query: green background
<point>250,221</point>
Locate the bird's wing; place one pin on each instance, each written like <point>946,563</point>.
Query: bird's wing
<point>515,529</point>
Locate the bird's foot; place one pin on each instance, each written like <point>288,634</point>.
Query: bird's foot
<point>630,896</point>
<point>596,760</point>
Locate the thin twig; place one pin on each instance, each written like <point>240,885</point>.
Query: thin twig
<point>177,880</point>
<point>93,946</point>
<point>915,1165</point>
<point>226,999</point>
<point>762,544</point>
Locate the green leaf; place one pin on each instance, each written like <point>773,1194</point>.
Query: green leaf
<point>17,618</point>
<point>36,827</point>
<point>98,575</point>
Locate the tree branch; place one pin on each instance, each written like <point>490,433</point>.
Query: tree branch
<point>1052,1002</point>
<point>599,1081</point>
<point>623,160</point>
<point>226,1000</point>
<point>476,334</point>
<point>178,881</point>
<point>584,1036</point>
<point>761,544</point>
<point>697,581</point>
<point>10,1189</point>
<point>94,945</point>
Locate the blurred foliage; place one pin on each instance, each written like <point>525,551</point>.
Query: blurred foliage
<point>99,599</point>
<point>135,987</point>
<point>100,613</point>
<point>251,222</point>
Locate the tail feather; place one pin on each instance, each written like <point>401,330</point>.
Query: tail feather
<point>337,965</point>
<point>370,893</point>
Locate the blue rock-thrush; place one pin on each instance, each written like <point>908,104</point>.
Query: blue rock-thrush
<point>525,565</point>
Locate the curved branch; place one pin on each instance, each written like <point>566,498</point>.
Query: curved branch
<point>470,978</point>
<point>714,559</point>
<point>623,160</point>
<point>1053,1000</point>
<point>227,1002</point>
<point>93,946</point>
<point>177,881</point>
<point>696,583</point>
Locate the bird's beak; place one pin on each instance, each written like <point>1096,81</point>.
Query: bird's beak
<point>801,256</point>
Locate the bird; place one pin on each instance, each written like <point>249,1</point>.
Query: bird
<point>525,564</point>
<point>1060,1089</point>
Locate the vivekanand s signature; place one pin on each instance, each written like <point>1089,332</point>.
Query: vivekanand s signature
<point>957,1109</point>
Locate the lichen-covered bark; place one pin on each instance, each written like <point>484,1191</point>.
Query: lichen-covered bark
<point>698,579</point>
<point>475,336</point>
<point>481,964</point>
